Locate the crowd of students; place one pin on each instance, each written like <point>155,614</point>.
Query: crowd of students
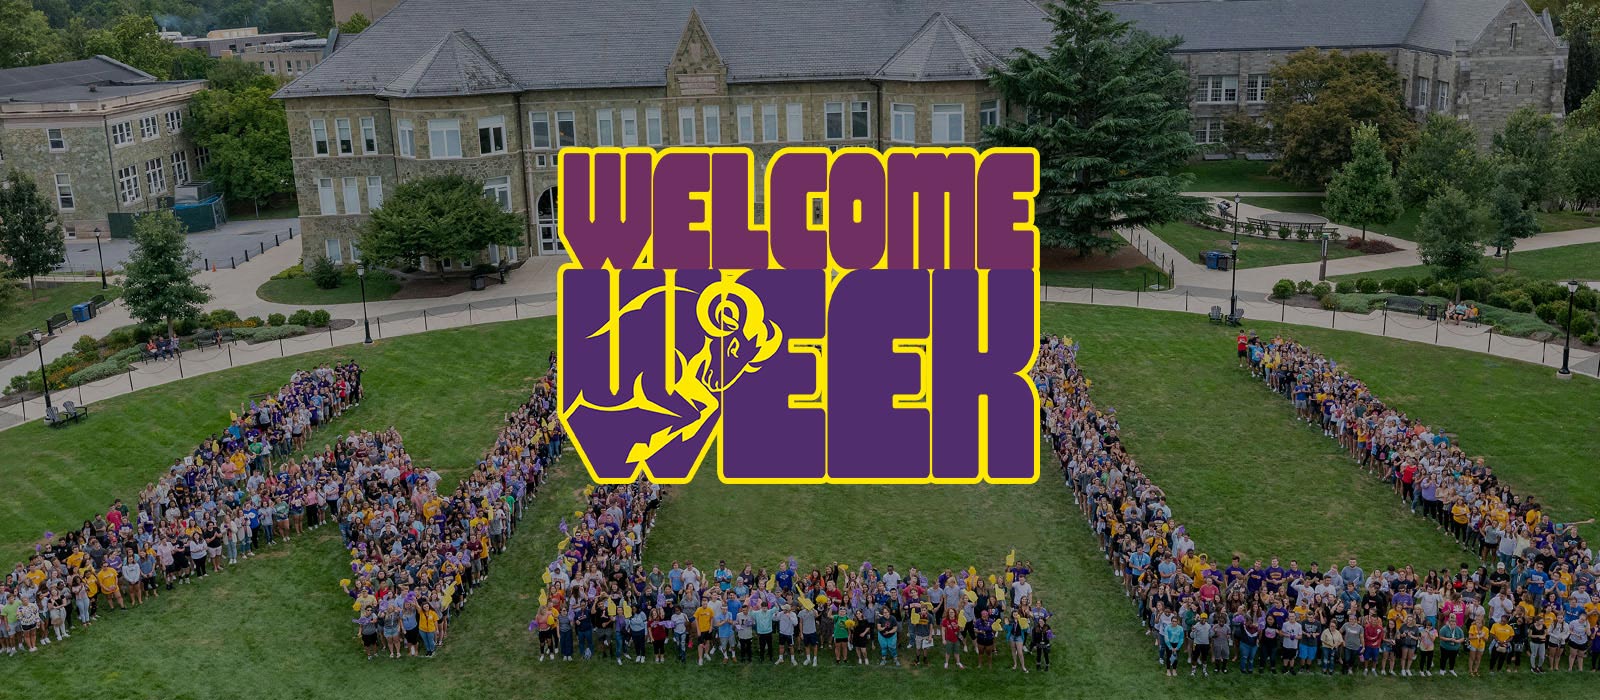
<point>419,551</point>
<point>600,601</point>
<point>1535,609</point>
<point>232,496</point>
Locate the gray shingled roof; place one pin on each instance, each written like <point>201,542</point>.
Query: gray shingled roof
<point>456,65</point>
<point>941,50</point>
<point>555,44</point>
<point>1212,25</point>
<point>21,83</point>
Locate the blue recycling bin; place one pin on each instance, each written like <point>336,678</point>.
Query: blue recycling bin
<point>81,312</point>
<point>1212,258</point>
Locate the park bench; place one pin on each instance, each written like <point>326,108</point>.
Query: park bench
<point>57,322</point>
<point>98,301</point>
<point>1216,314</point>
<point>1260,156</point>
<point>1217,156</point>
<point>213,338</point>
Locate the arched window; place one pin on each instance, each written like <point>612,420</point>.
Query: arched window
<point>549,233</point>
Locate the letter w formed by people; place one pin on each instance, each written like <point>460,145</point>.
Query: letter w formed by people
<point>878,326</point>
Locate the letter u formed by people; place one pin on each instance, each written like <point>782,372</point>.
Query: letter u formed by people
<point>871,318</point>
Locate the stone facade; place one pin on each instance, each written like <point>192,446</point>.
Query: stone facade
<point>83,146</point>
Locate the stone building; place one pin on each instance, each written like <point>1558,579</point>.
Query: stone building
<point>493,89</point>
<point>98,136</point>
<point>287,58</point>
<point>1477,60</point>
<point>232,42</point>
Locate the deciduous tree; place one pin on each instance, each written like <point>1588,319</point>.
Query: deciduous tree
<point>1446,154</point>
<point>248,139</point>
<point>30,235</point>
<point>1364,192</point>
<point>1527,150</point>
<point>1510,221</point>
<point>158,280</point>
<point>1450,236</point>
<point>1315,99</point>
<point>439,217</point>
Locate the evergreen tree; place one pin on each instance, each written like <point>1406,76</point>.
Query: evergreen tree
<point>1445,155</point>
<point>158,281</point>
<point>1511,220</point>
<point>30,235</point>
<point>1450,236</point>
<point>1364,192</point>
<point>1107,111</point>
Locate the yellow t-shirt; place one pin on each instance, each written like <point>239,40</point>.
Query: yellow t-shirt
<point>108,579</point>
<point>702,619</point>
<point>1501,632</point>
<point>1477,637</point>
<point>428,621</point>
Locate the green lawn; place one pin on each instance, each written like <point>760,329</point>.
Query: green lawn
<point>1192,240</point>
<point>301,290</point>
<point>1126,280</point>
<point>1237,467</point>
<point>1581,261</point>
<point>1237,175</point>
<point>33,310</point>
<point>1406,226</point>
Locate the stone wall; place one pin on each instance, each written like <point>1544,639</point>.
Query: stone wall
<point>1514,64</point>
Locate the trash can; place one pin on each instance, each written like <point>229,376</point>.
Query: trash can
<point>81,312</point>
<point>1211,259</point>
<point>1224,260</point>
<point>479,283</point>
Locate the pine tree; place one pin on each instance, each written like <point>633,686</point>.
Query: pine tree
<point>30,235</point>
<point>1450,236</point>
<point>1107,110</point>
<point>1364,192</point>
<point>159,279</point>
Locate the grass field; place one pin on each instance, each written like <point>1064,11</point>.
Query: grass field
<point>1192,240</point>
<point>1126,279</point>
<point>32,311</point>
<point>1581,262</point>
<point>1237,467</point>
<point>1237,176</point>
<point>1406,226</point>
<point>301,290</point>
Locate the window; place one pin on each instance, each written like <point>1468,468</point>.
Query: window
<point>988,113</point>
<point>335,251</point>
<point>1422,92</point>
<point>630,127</point>
<point>326,203</point>
<point>374,199</point>
<point>499,190</point>
<point>795,130</point>
<point>833,120</point>
<point>408,138</point>
<point>769,123</point>
<point>149,128</point>
<point>369,135</point>
<point>547,216</point>
<point>949,123</point>
<point>747,123</point>
<point>566,129</point>
<point>58,142</point>
<point>64,198</point>
<point>352,196</point>
<point>202,157</point>
<point>713,116</point>
<point>155,175</point>
<point>652,126</point>
<point>122,133</point>
<point>180,168</point>
<point>319,137</point>
<point>1255,87</point>
<point>355,251</point>
<point>174,121</point>
<point>605,133</point>
<point>491,135</point>
<point>347,145</point>
<point>903,123</point>
<point>686,125</point>
<point>1208,131</point>
<point>539,129</point>
<point>1513,36</point>
<point>128,184</point>
<point>444,138</point>
<point>1443,90</point>
<point>1218,89</point>
<point>860,120</point>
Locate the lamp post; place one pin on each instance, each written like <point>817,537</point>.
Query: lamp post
<point>1233,285</point>
<point>44,378</point>
<point>1566,349</point>
<point>1322,273</point>
<point>1236,217</point>
<point>102,255</point>
<point>366,324</point>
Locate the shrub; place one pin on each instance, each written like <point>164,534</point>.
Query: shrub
<point>1322,290</point>
<point>1500,299</point>
<point>220,318</point>
<point>1284,232</point>
<point>186,326</point>
<point>1302,234</point>
<point>324,273</point>
<point>142,333</point>
<point>1590,338</point>
<point>86,346</point>
<point>1345,287</point>
<point>1546,291</point>
<point>1404,286</point>
<point>1551,311</point>
<point>268,333</point>
<point>1522,305</point>
<point>1283,289</point>
<point>127,356</point>
<point>1329,302</point>
<point>118,339</point>
<point>5,347</point>
<point>293,272</point>
<point>1477,289</point>
<point>1303,286</point>
<point>300,318</point>
<point>321,318</point>
<point>1440,289</point>
<point>1582,324</point>
<point>1588,298</point>
<point>253,322</point>
<point>275,319</point>
<point>1367,285</point>
<point>96,372</point>
<point>1425,282</point>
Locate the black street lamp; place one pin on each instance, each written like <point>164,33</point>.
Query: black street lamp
<point>1233,285</point>
<point>366,324</point>
<point>102,255</point>
<point>1566,349</point>
<point>1322,273</point>
<point>1236,217</point>
<point>44,378</point>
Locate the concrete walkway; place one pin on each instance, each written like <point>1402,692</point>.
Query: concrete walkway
<point>1230,195</point>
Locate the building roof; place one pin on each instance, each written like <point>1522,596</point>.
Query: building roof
<point>90,79</point>
<point>1232,25</point>
<point>456,65</point>
<point>556,44</point>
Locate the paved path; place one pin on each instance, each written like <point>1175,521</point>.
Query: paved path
<point>1230,195</point>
